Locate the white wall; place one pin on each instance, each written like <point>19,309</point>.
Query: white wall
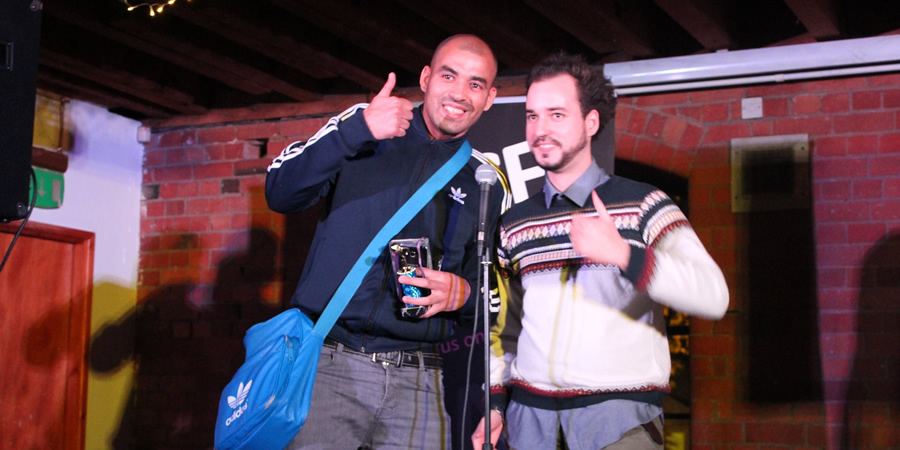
<point>103,195</point>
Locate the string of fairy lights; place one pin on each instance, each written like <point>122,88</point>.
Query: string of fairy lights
<point>154,8</point>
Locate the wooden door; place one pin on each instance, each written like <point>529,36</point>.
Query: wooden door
<point>45,304</point>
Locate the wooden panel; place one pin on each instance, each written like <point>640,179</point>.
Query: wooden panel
<point>45,296</point>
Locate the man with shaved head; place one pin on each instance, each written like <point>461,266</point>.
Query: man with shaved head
<point>379,379</point>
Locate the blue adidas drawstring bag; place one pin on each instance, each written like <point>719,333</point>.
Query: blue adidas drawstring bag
<point>267,400</point>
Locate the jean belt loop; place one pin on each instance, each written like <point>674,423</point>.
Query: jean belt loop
<point>339,348</point>
<point>421,360</point>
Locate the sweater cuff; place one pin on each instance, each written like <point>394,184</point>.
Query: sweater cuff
<point>641,265</point>
<point>499,399</point>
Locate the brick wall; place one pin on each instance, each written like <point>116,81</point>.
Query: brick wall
<point>212,262</point>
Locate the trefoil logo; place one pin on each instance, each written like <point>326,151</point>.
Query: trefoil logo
<point>238,402</point>
<point>457,195</point>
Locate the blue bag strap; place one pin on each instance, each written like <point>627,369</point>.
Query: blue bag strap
<point>393,226</point>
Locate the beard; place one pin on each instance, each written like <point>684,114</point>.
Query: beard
<point>568,153</point>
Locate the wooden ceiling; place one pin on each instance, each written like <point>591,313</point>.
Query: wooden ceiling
<point>203,55</point>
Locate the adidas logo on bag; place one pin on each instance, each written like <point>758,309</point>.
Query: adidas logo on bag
<point>235,402</point>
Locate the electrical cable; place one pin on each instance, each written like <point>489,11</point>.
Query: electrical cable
<point>24,221</point>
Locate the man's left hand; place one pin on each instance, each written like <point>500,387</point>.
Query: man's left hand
<point>448,291</point>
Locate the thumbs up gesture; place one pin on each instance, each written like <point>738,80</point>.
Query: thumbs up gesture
<point>597,237</point>
<point>388,116</point>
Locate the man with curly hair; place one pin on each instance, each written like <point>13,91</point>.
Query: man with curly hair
<point>579,354</point>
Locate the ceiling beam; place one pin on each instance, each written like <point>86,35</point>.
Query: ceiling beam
<point>125,82</point>
<point>277,46</point>
<point>820,17</point>
<point>705,20</point>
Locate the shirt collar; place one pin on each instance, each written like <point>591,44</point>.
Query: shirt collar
<point>580,191</point>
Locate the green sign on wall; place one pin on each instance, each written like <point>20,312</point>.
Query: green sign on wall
<point>50,187</point>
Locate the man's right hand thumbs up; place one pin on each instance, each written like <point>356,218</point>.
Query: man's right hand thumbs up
<point>388,116</point>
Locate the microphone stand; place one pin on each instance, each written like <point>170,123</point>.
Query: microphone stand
<point>486,299</point>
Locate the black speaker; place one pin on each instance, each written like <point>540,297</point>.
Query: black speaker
<point>20,37</point>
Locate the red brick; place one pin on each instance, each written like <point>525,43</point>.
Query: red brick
<point>179,173</point>
<point>710,176</point>
<point>890,143</point>
<point>216,134</point>
<point>655,125</point>
<point>841,211</point>
<point>625,145</point>
<point>174,138</point>
<point>831,299</point>
<point>716,433</point>
<point>830,146</point>
<point>867,189</point>
<point>775,90</point>
<point>153,209</point>
<point>176,156</point>
<point>257,130</point>
<point>886,210</point>
<point>724,133</point>
<point>818,125</point>
<point>711,157</point>
<point>714,388</point>
<point>637,122</point>
<point>663,156</point>
<point>174,208</point>
<point>831,233</point>
<point>838,344</point>
<point>691,137</point>
<point>225,152</point>
<point>763,128</point>
<point>716,112</point>
<point>891,79</point>
<point>662,99</point>
<point>774,433</point>
<point>691,112</point>
<point>836,366</point>
<point>837,322</point>
<point>885,166</point>
<point>834,103</point>
<point>713,95</point>
<point>874,121</point>
<point>154,158</point>
<point>214,170</point>
<point>866,100</point>
<point>836,84</point>
<point>832,278</point>
<point>622,116</point>
<point>862,144</point>
<point>892,188</point>
<point>681,163</point>
<point>300,129</point>
<point>700,197</point>
<point>892,99</point>
<point>839,168</point>
<point>775,107</point>
<point>806,104</point>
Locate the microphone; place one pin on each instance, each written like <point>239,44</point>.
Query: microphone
<point>486,176</point>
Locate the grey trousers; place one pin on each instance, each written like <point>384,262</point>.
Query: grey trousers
<point>360,404</point>
<point>593,427</point>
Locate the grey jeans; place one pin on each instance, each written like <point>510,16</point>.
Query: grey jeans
<point>360,404</point>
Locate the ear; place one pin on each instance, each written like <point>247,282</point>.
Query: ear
<point>492,94</point>
<point>592,122</point>
<point>424,77</point>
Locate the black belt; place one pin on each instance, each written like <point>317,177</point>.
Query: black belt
<point>398,358</point>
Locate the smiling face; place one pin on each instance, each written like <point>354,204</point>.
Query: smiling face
<point>458,86</point>
<point>557,132</point>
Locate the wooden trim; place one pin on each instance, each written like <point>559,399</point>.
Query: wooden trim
<point>79,320</point>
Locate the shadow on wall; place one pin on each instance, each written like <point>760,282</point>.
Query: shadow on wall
<point>873,397</point>
<point>186,343</point>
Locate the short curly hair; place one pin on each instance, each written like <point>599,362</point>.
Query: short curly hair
<point>595,92</point>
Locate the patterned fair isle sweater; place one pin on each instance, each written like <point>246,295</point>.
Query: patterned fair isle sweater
<point>573,332</point>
